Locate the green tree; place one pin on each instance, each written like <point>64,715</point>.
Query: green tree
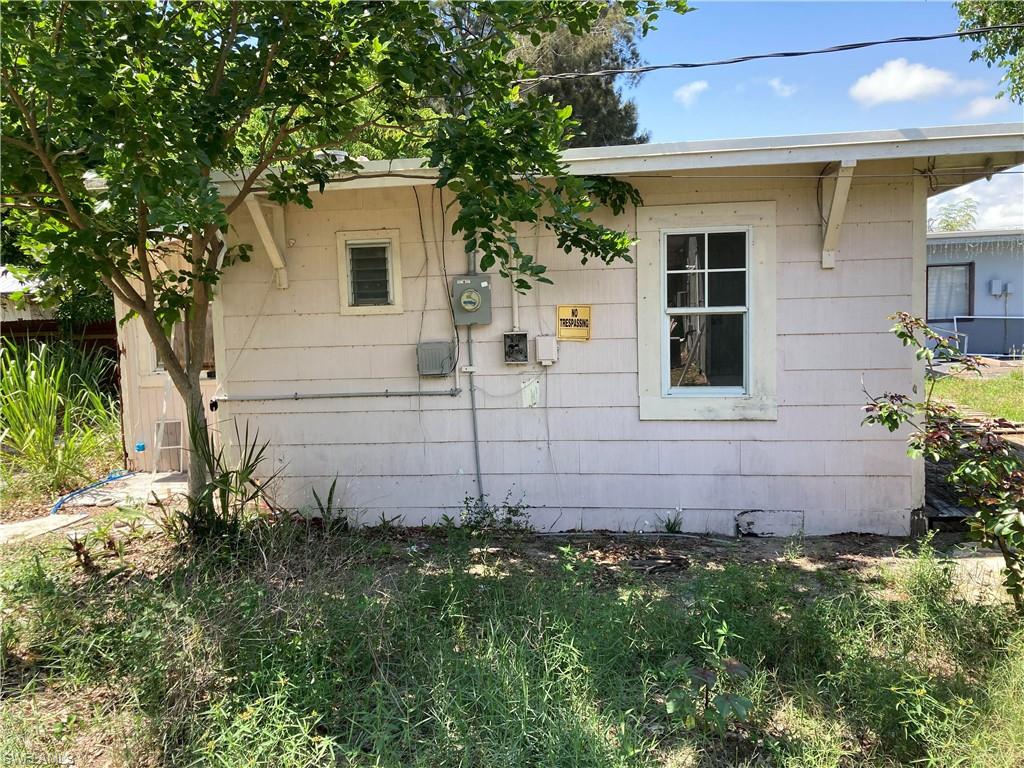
<point>960,216</point>
<point>604,114</point>
<point>117,116</point>
<point>1002,48</point>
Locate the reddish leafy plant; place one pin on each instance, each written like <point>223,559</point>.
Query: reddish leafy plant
<point>987,472</point>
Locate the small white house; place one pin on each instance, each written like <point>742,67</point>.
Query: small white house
<point>976,289</point>
<point>717,379</point>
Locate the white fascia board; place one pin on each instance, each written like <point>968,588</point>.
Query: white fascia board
<point>974,234</point>
<point>944,141</point>
<point>824,148</point>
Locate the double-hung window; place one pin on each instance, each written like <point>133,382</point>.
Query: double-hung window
<point>706,305</point>
<point>370,272</point>
<point>705,312</point>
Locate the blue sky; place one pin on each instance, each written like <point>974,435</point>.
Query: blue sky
<point>931,83</point>
<point>891,86</point>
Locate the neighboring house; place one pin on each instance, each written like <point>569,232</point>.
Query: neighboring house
<point>976,289</point>
<point>22,319</point>
<point>722,380</point>
<point>25,320</point>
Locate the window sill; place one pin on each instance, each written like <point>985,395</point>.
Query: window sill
<point>378,309</point>
<point>704,392</point>
<point>696,408</point>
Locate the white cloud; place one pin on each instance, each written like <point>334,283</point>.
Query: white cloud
<point>785,90</point>
<point>983,106</point>
<point>687,94</point>
<point>1000,201</point>
<point>899,80</point>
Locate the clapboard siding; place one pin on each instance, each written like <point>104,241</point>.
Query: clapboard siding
<point>581,457</point>
<point>147,396</point>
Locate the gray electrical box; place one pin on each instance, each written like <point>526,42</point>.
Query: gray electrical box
<point>471,299</point>
<point>435,358</point>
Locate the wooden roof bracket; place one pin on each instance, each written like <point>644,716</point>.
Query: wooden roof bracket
<point>272,237</point>
<point>833,219</point>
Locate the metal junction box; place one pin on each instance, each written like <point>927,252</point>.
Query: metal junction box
<point>435,358</point>
<point>471,299</point>
<point>516,350</point>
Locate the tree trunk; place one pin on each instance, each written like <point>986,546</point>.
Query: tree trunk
<point>195,332</point>
<point>198,435</point>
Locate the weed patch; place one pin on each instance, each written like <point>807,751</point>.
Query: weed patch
<point>304,647</point>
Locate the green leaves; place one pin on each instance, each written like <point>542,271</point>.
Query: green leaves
<point>1001,48</point>
<point>987,473</point>
<point>137,127</point>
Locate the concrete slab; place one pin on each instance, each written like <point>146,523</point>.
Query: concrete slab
<point>30,529</point>
<point>978,569</point>
<point>140,488</point>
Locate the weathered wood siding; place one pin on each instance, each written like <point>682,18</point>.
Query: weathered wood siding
<point>148,396</point>
<point>583,458</point>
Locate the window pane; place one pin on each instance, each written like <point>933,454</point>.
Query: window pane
<point>179,340</point>
<point>685,289</point>
<point>685,252</point>
<point>949,291</point>
<point>706,350</point>
<point>727,250</point>
<point>727,289</point>
<point>368,274</point>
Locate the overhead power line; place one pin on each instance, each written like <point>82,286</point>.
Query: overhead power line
<point>776,55</point>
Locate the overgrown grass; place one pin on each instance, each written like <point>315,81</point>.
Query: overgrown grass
<point>59,423</point>
<point>1002,397</point>
<point>308,650</point>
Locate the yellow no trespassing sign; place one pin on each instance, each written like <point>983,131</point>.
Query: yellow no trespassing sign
<point>573,322</point>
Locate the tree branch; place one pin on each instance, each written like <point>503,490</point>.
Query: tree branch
<point>44,158</point>
<point>226,42</point>
<point>262,165</point>
<point>142,253</point>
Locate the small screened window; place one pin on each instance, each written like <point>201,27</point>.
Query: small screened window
<point>369,272</point>
<point>369,275</point>
<point>706,311</point>
<point>949,291</point>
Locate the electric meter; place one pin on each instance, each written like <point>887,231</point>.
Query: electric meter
<point>471,299</point>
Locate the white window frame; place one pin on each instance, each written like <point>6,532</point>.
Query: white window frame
<point>698,391</point>
<point>390,239</point>
<point>757,399</point>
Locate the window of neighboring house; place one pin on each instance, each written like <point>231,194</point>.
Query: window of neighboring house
<point>370,272</point>
<point>706,311</point>
<point>950,291</point>
<point>179,340</point>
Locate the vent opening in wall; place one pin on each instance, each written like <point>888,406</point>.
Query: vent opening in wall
<point>168,440</point>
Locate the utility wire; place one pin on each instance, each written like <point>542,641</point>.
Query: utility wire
<point>776,55</point>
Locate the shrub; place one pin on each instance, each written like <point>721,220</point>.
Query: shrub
<point>232,490</point>
<point>57,421</point>
<point>987,472</point>
<point>479,514</point>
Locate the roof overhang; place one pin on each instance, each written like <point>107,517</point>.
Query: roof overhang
<point>978,234</point>
<point>949,155</point>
